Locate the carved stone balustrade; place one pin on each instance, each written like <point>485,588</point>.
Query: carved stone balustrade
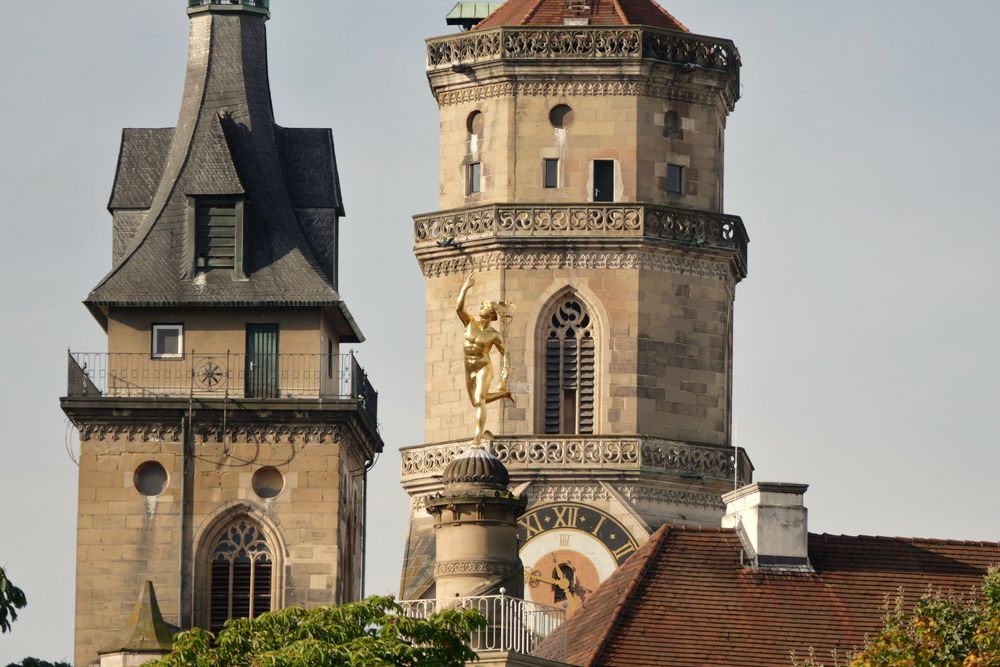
<point>627,43</point>
<point>613,457</point>
<point>435,233</point>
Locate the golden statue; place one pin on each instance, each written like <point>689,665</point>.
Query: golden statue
<point>479,339</point>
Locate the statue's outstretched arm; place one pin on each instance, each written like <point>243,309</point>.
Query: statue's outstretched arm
<point>460,306</point>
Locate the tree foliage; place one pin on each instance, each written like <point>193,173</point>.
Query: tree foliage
<point>941,631</point>
<point>11,599</point>
<point>371,633</point>
<point>35,662</point>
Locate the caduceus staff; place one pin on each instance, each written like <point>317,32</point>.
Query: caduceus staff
<point>480,338</point>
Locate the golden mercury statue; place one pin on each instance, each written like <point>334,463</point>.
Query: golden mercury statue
<point>479,339</point>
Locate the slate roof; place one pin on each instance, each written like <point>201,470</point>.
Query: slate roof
<point>598,12</point>
<point>227,143</point>
<point>685,599</point>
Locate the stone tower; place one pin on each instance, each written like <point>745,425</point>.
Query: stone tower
<point>581,157</point>
<point>475,524</point>
<point>225,439</point>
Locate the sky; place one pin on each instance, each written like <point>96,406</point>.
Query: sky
<point>861,158</point>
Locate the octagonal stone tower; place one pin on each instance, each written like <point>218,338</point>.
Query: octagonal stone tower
<point>581,148</point>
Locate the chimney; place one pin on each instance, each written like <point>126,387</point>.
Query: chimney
<point>771,521</point>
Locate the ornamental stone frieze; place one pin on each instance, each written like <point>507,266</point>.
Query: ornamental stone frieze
<point>575,455</point>
<point>568,258</point>
<point>212,432</point>
<point>591,87</point>
<point>437,236</point>
<point>572,44</point>
<point>487,567</point>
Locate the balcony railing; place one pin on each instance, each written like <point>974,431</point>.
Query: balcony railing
<point>221,375</point>
<point>574,454</point>
<point>513,625</point>
<point>595,43</point>
<point>683,227</point>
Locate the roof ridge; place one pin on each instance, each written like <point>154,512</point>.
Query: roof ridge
<point>911,540</point>
<point>653,546</point>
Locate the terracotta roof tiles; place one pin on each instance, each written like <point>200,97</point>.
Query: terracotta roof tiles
<point>685,598</point>
<point>596,12</point>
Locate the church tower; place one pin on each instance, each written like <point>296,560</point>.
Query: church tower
<point>581,180</point>
<point>224,436</point>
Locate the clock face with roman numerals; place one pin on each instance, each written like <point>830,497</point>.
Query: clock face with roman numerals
<point>577,516</point>
<point>568,549</point>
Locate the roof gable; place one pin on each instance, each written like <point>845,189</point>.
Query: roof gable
<point>594,12</point>
<point>141,159</point>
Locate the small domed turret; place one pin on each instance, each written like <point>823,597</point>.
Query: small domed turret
<point>476,466</point>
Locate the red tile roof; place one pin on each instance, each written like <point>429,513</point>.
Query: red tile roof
<point>598,12</point>
<point>685,599</point>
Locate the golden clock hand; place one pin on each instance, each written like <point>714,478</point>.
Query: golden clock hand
<point>544,580</point>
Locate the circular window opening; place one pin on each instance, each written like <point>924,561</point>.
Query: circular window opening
<point>561,116</point>
<point>268,482</point>
<point>475,123</point>
<point>150,479</point>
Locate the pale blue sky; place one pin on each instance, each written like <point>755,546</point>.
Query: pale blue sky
<point>861,158</point>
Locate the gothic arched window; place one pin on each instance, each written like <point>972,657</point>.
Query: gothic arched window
<point>569,370</point>
<point>240,574</point>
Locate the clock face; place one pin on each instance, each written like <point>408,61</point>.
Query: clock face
<point>568,549</point>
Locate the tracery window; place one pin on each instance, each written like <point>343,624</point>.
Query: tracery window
<point>241,571</point>
<point>569,369</point>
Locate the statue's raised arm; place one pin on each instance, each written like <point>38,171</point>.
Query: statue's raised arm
<point>479,339</point>
<point>460,306</point>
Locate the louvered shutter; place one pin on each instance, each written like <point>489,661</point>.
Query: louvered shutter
<point>569,370</point>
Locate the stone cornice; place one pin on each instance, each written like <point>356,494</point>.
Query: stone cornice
<point>576,456</point>
<point>585,86</point>
<point>107,421</point>
<point>589,46</point>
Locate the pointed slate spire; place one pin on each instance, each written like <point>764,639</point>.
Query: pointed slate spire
<point>282,182</point>
<point>145,631</point>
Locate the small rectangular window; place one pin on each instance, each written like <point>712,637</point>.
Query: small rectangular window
<point>474,177</point>
<point>168,341</point>
<point>675,178</point>
<point>551,173</point>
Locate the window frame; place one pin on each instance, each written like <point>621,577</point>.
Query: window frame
<point>545,173</point>
<point>680,179</point>
<point>473,178</point>
<point>153,353</point>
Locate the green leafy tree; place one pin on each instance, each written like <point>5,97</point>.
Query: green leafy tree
<point>373,632</point>
<point>941,631</point>
<point>11,599</point>
<point>35,662</point>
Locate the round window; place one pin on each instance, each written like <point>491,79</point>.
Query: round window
<point>561,116</point>
<point>268,482</point>
<point>150,479</point>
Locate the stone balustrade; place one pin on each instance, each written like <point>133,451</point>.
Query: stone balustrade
<point>574,454</point>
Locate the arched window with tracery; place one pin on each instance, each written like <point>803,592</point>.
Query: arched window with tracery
<point>569,369</point>
<point>241,570</point>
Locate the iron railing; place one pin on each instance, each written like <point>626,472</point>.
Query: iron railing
<point>221,375</point>
<point>512,624</point>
